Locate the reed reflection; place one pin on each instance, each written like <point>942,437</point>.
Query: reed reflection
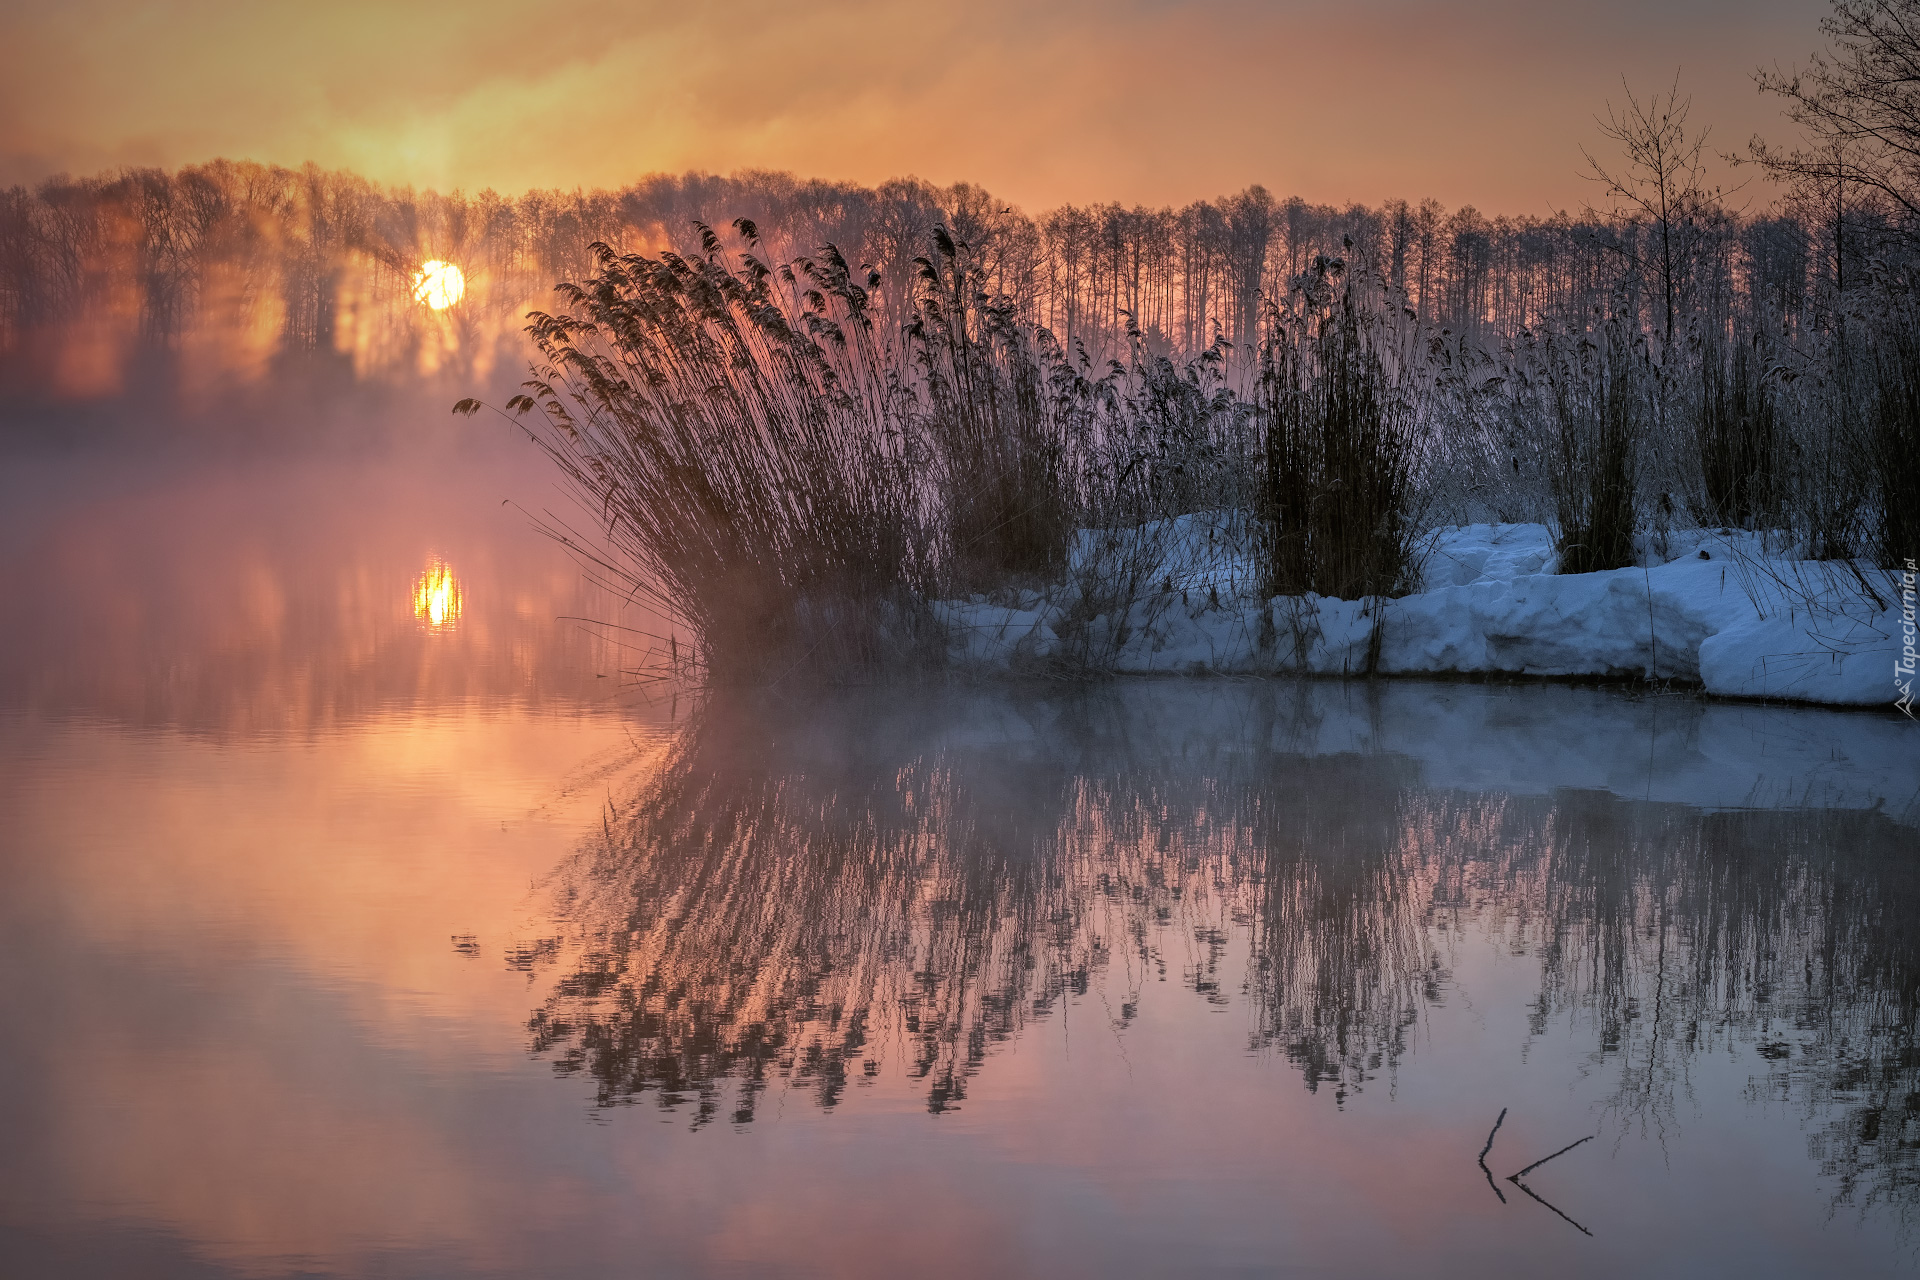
<point>815,896</point>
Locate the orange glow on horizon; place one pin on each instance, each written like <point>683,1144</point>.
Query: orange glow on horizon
<point>1483,104</point>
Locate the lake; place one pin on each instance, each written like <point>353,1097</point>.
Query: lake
<point>365,914</point>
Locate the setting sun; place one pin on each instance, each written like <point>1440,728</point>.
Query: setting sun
<point>436,595</point>
<point>438,284</point>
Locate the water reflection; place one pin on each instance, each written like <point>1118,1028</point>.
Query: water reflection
<point>287,595</point>
<point>436,595</point>
<point>1178,978</point>
<point>813,896</point>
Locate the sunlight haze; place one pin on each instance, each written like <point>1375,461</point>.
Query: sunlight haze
<point>1157,103</point>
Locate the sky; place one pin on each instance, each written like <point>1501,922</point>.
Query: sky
<point>1140,101</point>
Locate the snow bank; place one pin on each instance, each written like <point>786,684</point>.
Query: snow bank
<point>1703,608</point>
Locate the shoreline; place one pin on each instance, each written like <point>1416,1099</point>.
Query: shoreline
<point>1719,612</point>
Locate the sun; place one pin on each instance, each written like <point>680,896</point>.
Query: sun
<point>438,284</point>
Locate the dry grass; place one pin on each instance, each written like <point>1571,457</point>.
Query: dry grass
<point>1738,439</point>
<point>1596,387</point>
<point>1895,446</point>
<point>1340,437</point>
<point>744,436</point>
<point>1001,433</point>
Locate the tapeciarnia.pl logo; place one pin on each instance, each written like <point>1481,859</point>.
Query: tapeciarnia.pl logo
<point>1903,665</point>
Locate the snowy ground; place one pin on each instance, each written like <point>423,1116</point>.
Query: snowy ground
<point>1706,608</point>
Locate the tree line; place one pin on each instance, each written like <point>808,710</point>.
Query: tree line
<point>233,271</point>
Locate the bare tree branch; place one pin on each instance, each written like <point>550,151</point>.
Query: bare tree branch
<point>1660,185</point>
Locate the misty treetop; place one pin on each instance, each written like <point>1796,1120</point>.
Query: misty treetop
<point>232,271</point>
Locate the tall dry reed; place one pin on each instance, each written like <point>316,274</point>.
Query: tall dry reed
<point>742,432</point>
<point>1596,387</point>
<point>1340,442</point>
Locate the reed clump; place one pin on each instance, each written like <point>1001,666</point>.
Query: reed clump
<point>1895,446</point>
<point>795,474</point>
<point>1001,424</point>
<point>746,440</point>
<point>1340,438</point>
<point>1737,434</point>
<point>1596,409</point>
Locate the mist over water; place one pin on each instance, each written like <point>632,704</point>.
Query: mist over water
<point>362,918</point>
<point>277,590</point>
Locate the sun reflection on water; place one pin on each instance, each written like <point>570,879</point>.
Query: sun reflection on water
<point>436,595</point>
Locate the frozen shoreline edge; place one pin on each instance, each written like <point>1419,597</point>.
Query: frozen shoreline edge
<point>1704,610</point>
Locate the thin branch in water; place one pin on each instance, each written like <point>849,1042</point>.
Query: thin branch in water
<point>1483,1156</point>
<point>1563,1217</point>
<point>1515,1179</point>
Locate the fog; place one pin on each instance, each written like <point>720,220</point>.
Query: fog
<point>240,301</point>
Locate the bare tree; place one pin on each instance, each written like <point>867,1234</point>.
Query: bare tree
<point>1859,106</point>
<point>1662,185</point>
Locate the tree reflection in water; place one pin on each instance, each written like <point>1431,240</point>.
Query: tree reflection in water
<point>805,895</point>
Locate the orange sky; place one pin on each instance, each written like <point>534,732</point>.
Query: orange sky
<point>1155,101</point>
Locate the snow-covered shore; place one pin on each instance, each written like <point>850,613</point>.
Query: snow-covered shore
<point>1705,608</point>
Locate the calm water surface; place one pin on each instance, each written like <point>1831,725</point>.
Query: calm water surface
<point>361,918</point>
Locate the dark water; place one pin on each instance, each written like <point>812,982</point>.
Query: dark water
<point>339,940</point>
